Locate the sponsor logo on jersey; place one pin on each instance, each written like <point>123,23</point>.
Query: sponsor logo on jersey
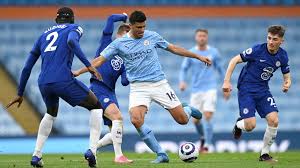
<point>116,63</point>
<point>268,72</point>
<point>139,54</point>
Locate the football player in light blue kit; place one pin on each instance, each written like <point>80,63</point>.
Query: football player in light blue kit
<point>147,80</point>
<point>253,86</point>
<point>204,85</point>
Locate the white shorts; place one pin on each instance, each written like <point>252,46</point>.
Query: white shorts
<point>143,93</point>
<point>205,101</point>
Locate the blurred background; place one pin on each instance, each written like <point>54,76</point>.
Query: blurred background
<point>233,25</point>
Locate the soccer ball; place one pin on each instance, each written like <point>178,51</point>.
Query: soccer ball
<point>188,152</point>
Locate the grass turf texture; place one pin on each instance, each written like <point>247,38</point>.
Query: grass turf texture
<point>216,160</point>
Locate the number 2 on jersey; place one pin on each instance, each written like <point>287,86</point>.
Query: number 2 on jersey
<point>50,46</point>
<point>271,100</point>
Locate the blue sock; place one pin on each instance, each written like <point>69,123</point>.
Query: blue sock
<point>188,111</point>
<point>199,128</point>
<point>148,137</point>
<point>208,131</point>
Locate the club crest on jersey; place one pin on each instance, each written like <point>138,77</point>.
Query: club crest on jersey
<point>245,111</point>
<point>146,42</point>
<point>116,63</point>
<point>278,63</point>
<point>268,72</point>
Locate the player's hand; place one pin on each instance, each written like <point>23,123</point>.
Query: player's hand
<point>76,73</point>
<point>206,60</point>
<point>286,86</point>
<point>94,71</point>
<point>182,86</point>
<point>18,99</point>
<point>227,88</point>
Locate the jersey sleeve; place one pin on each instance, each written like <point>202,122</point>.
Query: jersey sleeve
<point>78,30</point>
<point>184,69</point>
<point>111,50</point>
<point>249,54</point>
<point>124,79</point>
<point>285,67</point>
<point>219,64</point>
<point>160,42</point>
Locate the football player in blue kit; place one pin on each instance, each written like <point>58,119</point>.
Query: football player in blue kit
<point>105,89</point>
<point>138,49</point>
<point>56,47</point>
<point>253,86</point>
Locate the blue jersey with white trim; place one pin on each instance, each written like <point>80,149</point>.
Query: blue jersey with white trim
<point>260,67</point>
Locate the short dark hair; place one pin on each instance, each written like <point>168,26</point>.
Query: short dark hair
<point>64,15</point>
<point>201,30</point>
<point>137,16</point>
<point>123,27</point>
<point>277,30</point>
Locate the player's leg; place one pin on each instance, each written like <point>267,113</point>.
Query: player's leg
<point>246,121</point>
<point>91,103</point>
<point>106,139</point>
<point>209,107</point>
<point>114,114</point>
<point>46,124</point>
<point>139,102</point>
<point>76,93</point>
<point>268,109</point>
<point>165,96</point>
<point>197,102</point>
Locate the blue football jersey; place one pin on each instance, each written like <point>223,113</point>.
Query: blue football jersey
<point>56,55</point>
<point>260,67</point>
<point>139,55</point>
<point>113,68</point>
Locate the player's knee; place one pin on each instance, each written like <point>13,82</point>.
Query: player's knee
<point>208,116</point>
<point>137,122</point>
<point>273,122</point>
<point>250,126</point>
<point>115,115</point>
<point>182,120</point>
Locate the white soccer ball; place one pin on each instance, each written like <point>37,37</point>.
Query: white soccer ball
<point>188,152</point>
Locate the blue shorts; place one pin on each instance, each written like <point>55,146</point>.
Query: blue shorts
<point>262,102</point>
<point>72,91</point>
<point>105,96</point>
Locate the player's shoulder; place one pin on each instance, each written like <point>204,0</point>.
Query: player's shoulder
<point>283,54</point>
<point>149,33</point>
<point>212,49</point>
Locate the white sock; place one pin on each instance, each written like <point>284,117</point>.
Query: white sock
<point>241,124</point>
<point>116,135</point>
<point>269,138</point>
<point>95,128</point>
<point>106,140</point>
<point>43,133</point>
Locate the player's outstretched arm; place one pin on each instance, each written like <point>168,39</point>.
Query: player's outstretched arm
<point>97,62</point>
<point>186,53</point>
<point>31,60</point>
<point>286,82</point>
<point>227,85</point>
<point>183,72</point>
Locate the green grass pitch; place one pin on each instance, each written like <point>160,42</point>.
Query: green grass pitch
<point>216,160</point>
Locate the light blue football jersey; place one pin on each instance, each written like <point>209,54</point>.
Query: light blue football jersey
<point>139,55</point>
<point>204,77</point>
